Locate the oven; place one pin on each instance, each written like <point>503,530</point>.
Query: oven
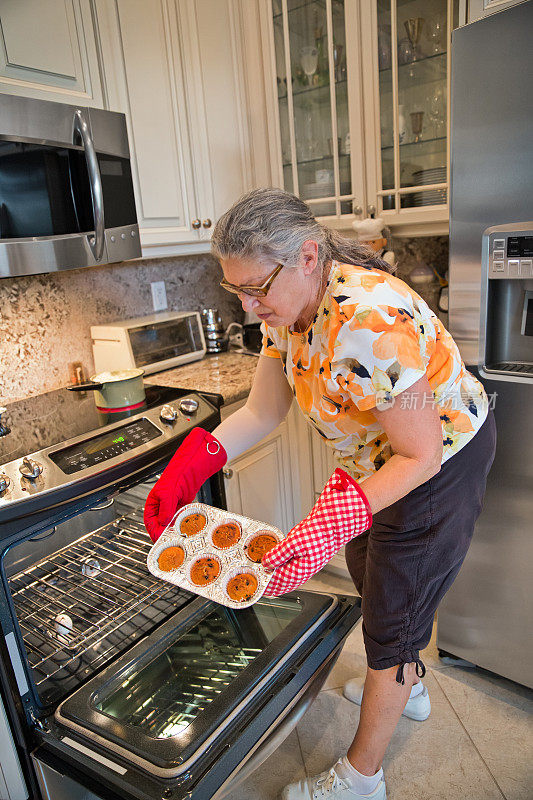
<point>113,683</point>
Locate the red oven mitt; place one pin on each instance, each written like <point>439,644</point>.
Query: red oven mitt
<point>341,512</point>
<point>198,457</point>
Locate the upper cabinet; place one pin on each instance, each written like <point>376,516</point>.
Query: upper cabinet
<point>318,104</point>
<point>406,110</point>
<point>49,50</point>
<point>361,98</point>
<point>172,67</point>
<point>476,9</point>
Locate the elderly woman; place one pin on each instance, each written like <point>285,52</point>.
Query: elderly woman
<point>374,371</point>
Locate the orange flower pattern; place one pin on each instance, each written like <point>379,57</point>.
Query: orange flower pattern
<point>371,339</point>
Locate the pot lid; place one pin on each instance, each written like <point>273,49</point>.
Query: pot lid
<point>114,375</point>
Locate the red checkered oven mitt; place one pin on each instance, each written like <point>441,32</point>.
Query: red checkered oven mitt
<point>340,513</point>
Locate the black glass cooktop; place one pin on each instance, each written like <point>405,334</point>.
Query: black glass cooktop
<point>48,419</point>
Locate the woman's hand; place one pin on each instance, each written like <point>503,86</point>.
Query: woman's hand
<point>340,513</point>
<point>199,456</point>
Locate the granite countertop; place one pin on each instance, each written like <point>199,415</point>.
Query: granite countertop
<point>228,374</point>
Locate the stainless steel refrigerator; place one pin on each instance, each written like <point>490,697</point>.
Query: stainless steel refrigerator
<point>486,616</point>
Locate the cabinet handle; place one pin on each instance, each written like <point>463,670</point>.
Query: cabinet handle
<point>196,224</point>
<point>207,223</point>
<point>357,210</point>
<point>371,209</point>
<point>227,472</point>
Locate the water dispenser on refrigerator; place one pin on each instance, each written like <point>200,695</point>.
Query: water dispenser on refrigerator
<point>506,340</point>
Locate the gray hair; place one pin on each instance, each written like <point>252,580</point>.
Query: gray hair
<point>271,224</point>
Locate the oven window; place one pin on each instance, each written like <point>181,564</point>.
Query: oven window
<point>45,191</point>
<point>163,697</point>
<point>153,343</point>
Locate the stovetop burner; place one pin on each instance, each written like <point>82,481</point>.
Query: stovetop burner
<point>48,419</point>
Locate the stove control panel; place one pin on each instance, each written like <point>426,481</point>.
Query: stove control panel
<point>168,413</point>
<point>101,448</point>
<point>70,463</point>
<point>189,406</point>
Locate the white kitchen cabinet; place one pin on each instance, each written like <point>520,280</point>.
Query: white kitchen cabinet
<point>476,9</point>
<point>406,100</point>
<point>259,483</point>
<point>360,107</point>
<point>323,461</point>
<point>273,481</point>
<point>49,50</point>
<point>279,480</point>
<point>172,68</point>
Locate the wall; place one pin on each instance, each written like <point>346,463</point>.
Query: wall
<point>45,319</point>
<point>433,251</point>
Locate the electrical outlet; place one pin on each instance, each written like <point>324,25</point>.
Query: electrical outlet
<point>159,295</point>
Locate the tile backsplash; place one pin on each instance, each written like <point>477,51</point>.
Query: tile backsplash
<point>45,319</point>
<point>431,251</point>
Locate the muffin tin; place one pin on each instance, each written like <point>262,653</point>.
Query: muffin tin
<point>216,547</point>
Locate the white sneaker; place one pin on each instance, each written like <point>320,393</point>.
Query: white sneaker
<point>329,786</point>
<point>418,707</point>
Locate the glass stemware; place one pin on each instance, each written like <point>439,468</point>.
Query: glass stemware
<point>414,27</point>
<point>309,61</point>
<point>437,111</point>
<point>417,120</point>
<point>435,32</point>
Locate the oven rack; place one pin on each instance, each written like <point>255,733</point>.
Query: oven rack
<point>115,602</point>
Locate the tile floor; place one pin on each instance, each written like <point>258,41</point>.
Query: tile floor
<point>476,745</point>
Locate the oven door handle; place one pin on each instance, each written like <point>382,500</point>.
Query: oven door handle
<point>95,180</point>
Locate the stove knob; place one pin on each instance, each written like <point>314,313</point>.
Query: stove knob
<point>189,405</point>
<point>4,483</point>
<point>168,413</point>
<point>30,469</point>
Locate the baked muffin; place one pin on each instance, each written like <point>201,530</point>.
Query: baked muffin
<point>242,587</point>
<point>226,535</point>
<point>204,571</point>
<point>260,544</point>
<point>193,524</point>
<point>171,558</point>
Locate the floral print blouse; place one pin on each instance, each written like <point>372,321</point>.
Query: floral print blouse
<point>371,339</point>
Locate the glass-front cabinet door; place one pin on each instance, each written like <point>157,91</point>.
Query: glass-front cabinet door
<point>408,90</point>
<point>318,93</point>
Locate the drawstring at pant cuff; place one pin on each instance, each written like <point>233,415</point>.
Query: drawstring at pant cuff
<point>419,666</point>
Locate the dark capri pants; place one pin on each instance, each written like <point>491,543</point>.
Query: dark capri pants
<point>404,565</point>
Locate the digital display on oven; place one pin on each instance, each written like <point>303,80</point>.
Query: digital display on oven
<point>104,447</point>
<point>521,246</point>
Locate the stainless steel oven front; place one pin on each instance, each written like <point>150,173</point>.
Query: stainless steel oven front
<point>66,191</point>
<point>115,684</point>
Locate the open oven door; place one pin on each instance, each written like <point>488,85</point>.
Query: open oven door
<point>196,705</point>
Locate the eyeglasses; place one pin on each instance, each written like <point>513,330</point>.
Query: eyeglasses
<point>253,291</point>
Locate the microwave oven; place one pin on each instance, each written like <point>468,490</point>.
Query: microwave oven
<point>155,342</point>
<point>66,191</point>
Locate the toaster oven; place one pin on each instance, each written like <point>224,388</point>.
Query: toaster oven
<point>155,342</point>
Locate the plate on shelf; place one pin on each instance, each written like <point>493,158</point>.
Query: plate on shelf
<point>433,198</point>
<point>429,175</point>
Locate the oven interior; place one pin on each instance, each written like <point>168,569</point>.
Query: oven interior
<point>82,595</point>
<point>103,641</point>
